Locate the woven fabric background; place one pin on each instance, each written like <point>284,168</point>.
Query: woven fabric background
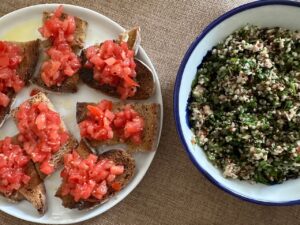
<point>173,191</point>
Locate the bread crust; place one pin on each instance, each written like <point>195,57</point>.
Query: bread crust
<point>35,191</point>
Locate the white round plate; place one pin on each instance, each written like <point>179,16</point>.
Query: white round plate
<point>269,13</point>
<point>22,25</point>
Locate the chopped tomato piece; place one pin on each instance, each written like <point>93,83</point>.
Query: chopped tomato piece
<point>130,81</point>
<point>41,121</point>
<point>111,177</point>
<point>116,186</point>
<point>117,170</point>
<point>4,100</point>
<point>46,168</point>
<point>89,177</point>
<point>105,104</point>
<point>4,61</point>
<point>110,61</point>
<point>95,111</point>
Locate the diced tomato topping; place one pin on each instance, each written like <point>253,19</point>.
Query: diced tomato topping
<point>4,99</point>
<point>10,59</point>
<point>113,65</point>
<point>116,186</point>
<point>57,27</point>
<point>13,164</point>
<point>101,123</point>
<point>129,125</point>
<point>46,168</point>
<point>63,62</point>
<point>117,170</point>
<point>90,177</point>
<point>95,111</point>
<point>41,133</point>
<point>97,126</point>
<point>4,61</point>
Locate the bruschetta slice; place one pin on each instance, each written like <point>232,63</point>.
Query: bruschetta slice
<point>19,177</point>
<point>135,125</point>
<point>112,69</point>
<point>18,61</point>
<point>60,63</point>
<point>106,175</point>
<point>43,133</point>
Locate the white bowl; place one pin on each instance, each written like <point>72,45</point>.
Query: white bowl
<point>262,13</point>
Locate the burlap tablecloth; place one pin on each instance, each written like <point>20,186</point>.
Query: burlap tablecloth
<point>173,191</point>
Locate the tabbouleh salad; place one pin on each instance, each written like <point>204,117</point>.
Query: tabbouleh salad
<point>245,105</point>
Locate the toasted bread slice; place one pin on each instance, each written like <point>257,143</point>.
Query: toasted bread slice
<point>80,30</point>
<point>70,84</point>
<point>144,78</point>
<point>72,143</point>
<point>144,75</point>
<point>151,115</point>
<point>30,53</point>
<point>34,191</point>
<point>119,157</point>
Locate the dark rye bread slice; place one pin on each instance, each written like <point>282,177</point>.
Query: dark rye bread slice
<point>80,31</point>
<point>72,143</point>
<point>30,53</point>
<point>34,191</point>
<point>70,84</point>
<point>144,74</point>
<point>151,115</point>
<point>144,78</point>
<point>120,158</point>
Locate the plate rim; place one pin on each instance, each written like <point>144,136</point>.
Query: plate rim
<point>177,85</point>
<point>89,213</point>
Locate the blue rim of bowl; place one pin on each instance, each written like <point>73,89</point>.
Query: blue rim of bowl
<point>178,83</point>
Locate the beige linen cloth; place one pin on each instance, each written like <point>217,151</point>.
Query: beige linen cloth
<point>173,191</point>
